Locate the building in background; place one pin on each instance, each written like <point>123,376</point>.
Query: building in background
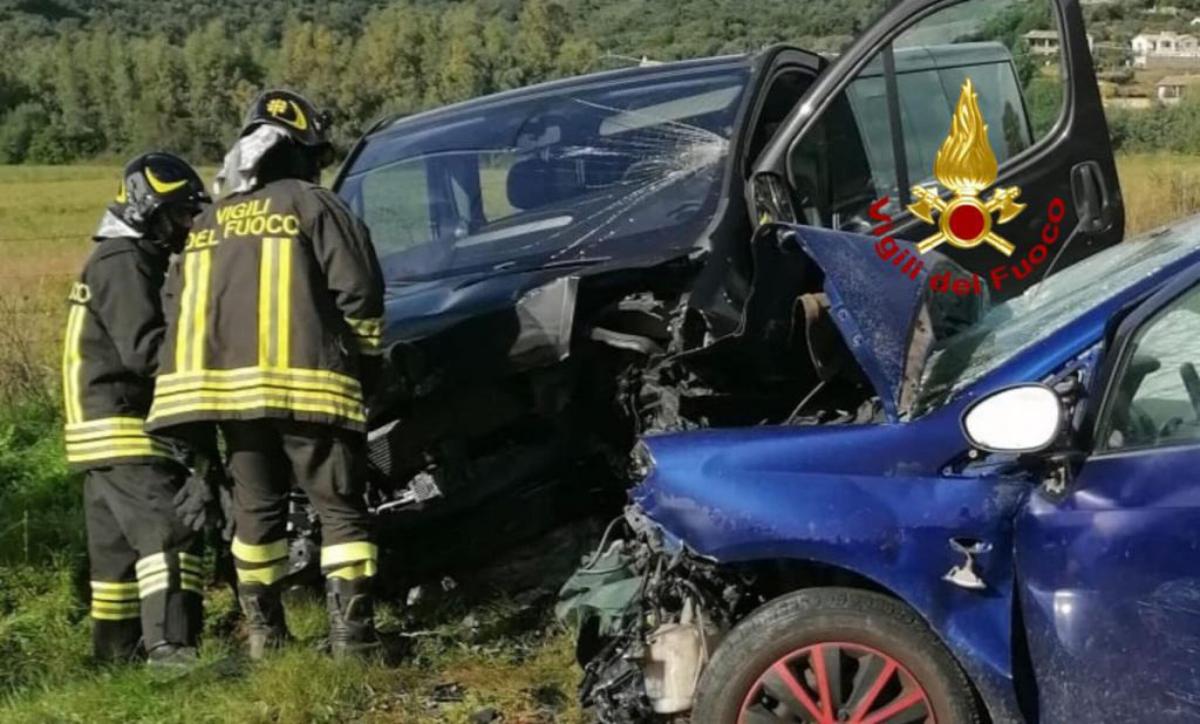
<point>1165,49</point>
<point>1172,89</point>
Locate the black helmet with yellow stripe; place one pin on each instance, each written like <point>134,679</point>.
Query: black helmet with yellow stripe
<point>159,194</point>
<point>154,180</point>
<point>291,112</point>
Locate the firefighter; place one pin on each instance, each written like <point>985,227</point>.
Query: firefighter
<point>277,311</point>
<point>144,560</point>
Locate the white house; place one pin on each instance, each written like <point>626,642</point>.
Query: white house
<point>1166,48</point>
<point>1045,42</point>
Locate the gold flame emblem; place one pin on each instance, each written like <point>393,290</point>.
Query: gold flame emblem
<point>966,165</point>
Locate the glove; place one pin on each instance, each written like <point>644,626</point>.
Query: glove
<point>198,502</point>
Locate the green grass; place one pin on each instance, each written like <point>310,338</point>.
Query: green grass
<point>493,652</point>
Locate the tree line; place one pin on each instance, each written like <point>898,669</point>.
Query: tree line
<point>87,79</point>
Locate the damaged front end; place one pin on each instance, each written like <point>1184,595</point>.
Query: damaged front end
<point>649,613</point>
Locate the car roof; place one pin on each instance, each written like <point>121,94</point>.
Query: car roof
<point>400,123</point>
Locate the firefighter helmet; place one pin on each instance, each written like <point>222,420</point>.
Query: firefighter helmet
<point>154,180</point>
<point>292,112</point>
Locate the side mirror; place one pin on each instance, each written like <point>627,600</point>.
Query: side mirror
<point>1021,419</point>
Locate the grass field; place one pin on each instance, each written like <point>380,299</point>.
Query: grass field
<point>462,658</point>
<point>458,657</point>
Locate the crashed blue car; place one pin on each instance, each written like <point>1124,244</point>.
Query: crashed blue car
<point>1016,541</point>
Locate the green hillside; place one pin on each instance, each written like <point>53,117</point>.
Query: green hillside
<point>87,79</point>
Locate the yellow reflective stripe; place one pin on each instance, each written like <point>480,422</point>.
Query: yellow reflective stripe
<point>115,597</point>
<point>120,441</point>
<point>115,588</point>
<point>135,450</point>
<point>113,423</point>
<point>348,553</point>
<point>153,584</point>
<point>72,362</point>
<point>200,321</point>
<point>352,572</point>
<point>191,584</point>
<point>283,304</point>
<point>110,426</point>
<point>261,552</point>
<point>187,303</point>
<point>189,562</point>
<point>151,564</point>
<point>266,280</point>
<point>317,379</point>
<point>289,402</point>
<point>115,612</point>
<point>261,379</point>
<point>266,576</point>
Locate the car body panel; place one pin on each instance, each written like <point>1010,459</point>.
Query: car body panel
<point>817,495</point>
<point>1108,569</point>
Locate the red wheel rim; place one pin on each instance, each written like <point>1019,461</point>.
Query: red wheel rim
<point>833,682</point>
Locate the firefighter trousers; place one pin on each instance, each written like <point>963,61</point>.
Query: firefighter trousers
<point>145,563</point>
<point>265,457</point>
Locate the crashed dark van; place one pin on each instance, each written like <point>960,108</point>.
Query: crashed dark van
<point>574,264</point>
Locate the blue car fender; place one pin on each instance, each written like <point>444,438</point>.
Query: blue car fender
<point>816,495</point>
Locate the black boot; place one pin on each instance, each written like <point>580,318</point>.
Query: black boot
<point>351,617</point>
<point>116,642</point>
<point>265,626</point>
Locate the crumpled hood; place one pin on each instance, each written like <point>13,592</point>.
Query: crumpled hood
<point>875,305</point>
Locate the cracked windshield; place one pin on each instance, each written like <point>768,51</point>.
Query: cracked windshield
<point>555,180</point>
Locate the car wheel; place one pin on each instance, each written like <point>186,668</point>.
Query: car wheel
<point>832,655</point>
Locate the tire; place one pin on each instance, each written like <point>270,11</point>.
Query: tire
<point>863,635</point>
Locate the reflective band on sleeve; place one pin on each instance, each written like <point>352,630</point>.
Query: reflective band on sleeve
<point>354,571</point>
<point>343,553</point>
<point>259,553</point>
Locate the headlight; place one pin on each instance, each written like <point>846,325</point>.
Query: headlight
<point>641,462</point>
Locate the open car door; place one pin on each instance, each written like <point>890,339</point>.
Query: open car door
<point>980,123</point>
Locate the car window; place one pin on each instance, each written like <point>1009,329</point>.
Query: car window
<point>1007,48</point>
<point>1156,398</point>
<point>547,177</point>
<point>395,205</point>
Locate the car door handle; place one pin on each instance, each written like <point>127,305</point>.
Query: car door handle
<point>1092,206</point>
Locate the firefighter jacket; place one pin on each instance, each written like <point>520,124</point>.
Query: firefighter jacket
<point>114,329</point>
<point>277,294</point>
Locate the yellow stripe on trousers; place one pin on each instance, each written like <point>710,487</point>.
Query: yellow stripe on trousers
<point>73,362</point>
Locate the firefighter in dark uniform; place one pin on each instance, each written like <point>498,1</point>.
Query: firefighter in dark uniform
<point>278,308</point>
<point>145,565</point>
